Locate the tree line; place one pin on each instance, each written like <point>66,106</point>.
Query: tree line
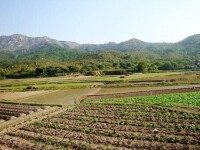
<point>116,68</point>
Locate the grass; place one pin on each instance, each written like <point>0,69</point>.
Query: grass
<point>136,76</point>
<point>48,86</point>
<point>66,82</point>
<point>189,100</point>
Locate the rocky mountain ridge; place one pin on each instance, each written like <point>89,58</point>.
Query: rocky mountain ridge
<point>21,42</point>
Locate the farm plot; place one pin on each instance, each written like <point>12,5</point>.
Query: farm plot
<point>109,124</point>
<point>144,93</point>
<point>188,100</point>
<point>10,111</point>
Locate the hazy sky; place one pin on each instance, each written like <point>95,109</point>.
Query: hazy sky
<point>100,21</point>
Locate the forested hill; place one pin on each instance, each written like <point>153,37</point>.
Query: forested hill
<point>19,52</point>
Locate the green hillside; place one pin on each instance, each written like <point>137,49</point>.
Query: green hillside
<point>131,56</point>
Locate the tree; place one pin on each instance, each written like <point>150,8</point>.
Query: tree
<point>74,69</point>
<point>123,65</point>
<point>52,71</point>
<point>39,71</point>
<point>167,66</point>
<point>142,67</point>
<point>153,68</point>
<point>101,66</point>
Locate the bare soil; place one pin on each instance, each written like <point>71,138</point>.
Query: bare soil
<point>140,88</point>
<point>10,96</point>
<point>143,93</point>
<point>82,127</point>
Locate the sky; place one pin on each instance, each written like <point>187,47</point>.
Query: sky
<point>101,21</point>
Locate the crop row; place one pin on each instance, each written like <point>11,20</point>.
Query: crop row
<point>110,126</point>
<point>190,100</point>
<point>150,124</point>
<point>137,113</point>
<point>176,130</point>
<point>81,140</point>
<point>9,110</point>
<point>13,106</point>
<point>136,117</point>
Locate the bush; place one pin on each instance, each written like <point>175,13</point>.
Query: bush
<point>90,73</point>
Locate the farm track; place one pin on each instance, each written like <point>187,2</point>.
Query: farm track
<point>141,93</point>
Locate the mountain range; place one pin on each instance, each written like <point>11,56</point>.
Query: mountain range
<point>18,42</point>
<point>19,50</point>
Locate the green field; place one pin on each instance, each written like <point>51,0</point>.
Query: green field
<point>189,100</point>
<point>45,83</point>
<point>134,80</point>
<point>75,86</point>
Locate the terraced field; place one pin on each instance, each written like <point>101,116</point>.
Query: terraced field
<point>111,124</point>
<point>9,111</point>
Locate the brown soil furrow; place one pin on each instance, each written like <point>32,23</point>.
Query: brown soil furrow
<point>112,140</point>
<point>14,123</point>
<point>57,141</point>
<point>22,144</point>
<point>122,122</point>
<point>121,134</point>
<point>122,117</point>
<point>155,114</point>
<point>142,93</point>
<point>118,127</point>
<point>2,147</point>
